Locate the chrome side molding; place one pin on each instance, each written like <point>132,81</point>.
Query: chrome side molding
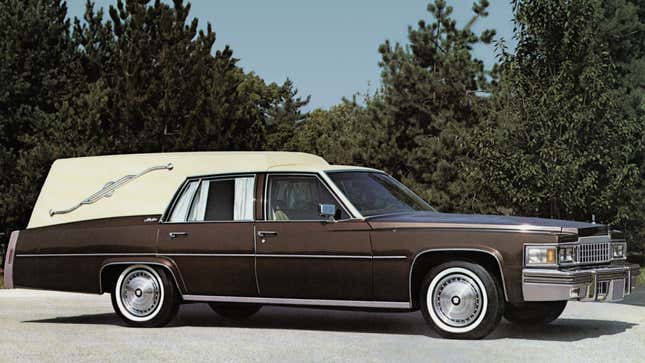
<point>108,189</point>
<point>307,302</point>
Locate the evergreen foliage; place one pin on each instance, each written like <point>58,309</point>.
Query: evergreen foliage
<point>430,107</point>
<point>143,79</point>
<point>556,129</point>
<point>562,146</point>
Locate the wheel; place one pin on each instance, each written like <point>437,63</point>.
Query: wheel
<point>462,300</point>
<point>532,313</point>
<point>145,296</point>
<point>235,311</point>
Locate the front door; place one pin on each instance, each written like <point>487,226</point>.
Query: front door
<point>209,235</point>
<point>300,255</point>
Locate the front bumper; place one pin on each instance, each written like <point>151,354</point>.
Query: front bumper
<point>598,283</point>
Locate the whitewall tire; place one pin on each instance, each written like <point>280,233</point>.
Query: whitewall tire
<point>144,296</point>
<point>462,300</point>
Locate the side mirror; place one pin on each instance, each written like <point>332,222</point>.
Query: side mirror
<point>328,211</point>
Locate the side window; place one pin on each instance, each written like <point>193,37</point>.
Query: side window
<point>228,199</point>
<point>297,198</point>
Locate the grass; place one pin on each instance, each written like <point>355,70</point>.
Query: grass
<point>2,281</point>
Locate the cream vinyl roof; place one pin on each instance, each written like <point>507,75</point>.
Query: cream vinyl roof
<point>71,181</point>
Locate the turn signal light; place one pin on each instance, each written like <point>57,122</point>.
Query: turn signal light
<point>550,255</point>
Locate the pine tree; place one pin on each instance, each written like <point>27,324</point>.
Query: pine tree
<point>429,106</point>
<point>143,79</point>
<point>35,59</point>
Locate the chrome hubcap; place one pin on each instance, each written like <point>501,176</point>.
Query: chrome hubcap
<point>457,300</point>
<point>140,293</point>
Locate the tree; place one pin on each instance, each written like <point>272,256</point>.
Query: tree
<point>35,59</point>
<point>334,134</point>
<point>144,80</point>
<point>624,31</point>
<point>566,147</point>
<point>430,106</point>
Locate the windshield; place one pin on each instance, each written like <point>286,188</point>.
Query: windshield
<point>374,193</point>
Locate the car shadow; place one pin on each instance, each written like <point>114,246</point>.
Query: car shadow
<point>281,318</point>
<point>562,330</point>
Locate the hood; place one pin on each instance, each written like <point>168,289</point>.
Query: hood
<point>454,220</point>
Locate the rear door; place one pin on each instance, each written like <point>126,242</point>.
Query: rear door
<point>209,235</point>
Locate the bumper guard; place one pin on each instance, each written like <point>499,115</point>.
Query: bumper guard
<point>600,283</point>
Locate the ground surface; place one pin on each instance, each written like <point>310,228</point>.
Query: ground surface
<point>48,326</point>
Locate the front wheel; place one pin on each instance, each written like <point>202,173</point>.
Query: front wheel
<point>532,313</point>
<point>462,300</point>
<point>145,296</point>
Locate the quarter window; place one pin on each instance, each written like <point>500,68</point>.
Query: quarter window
<point>298,198</point>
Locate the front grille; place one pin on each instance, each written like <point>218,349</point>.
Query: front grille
<point>594,252</point>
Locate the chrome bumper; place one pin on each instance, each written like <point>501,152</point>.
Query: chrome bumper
<point>9,260</point>
<point>605,283</point>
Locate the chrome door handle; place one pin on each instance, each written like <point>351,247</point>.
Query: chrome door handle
<point>174,235</point>
<point>267,233</point>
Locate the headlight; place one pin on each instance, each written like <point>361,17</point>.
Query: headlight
<point>618,250</point>
<point>540,255</point>
<point>567,254</point>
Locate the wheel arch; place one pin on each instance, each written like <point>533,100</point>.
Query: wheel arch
<point>111,268</point>
<point>426,259</point>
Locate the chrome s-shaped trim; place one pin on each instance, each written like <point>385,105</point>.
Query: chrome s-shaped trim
<point>307,302</point>
<point>499,264</point>
<point>134,262</point>
<point>9,260</point>
<point>108,189</point>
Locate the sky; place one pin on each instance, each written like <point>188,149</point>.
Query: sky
<point>328,48</point>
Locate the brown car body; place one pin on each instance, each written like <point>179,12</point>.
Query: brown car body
<point>376,262</point>
<point>379,259</point>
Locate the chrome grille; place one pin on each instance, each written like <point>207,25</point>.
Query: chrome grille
<point>594,252</point>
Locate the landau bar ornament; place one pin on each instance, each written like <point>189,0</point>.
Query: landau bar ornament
<point>109,188</point>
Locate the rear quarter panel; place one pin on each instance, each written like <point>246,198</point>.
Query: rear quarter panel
<point>68,257</point>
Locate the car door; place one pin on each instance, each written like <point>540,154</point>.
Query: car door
<point>301,255</point>
<point>209,235</point>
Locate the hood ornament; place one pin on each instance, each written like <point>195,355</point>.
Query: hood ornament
<point>109,188</point>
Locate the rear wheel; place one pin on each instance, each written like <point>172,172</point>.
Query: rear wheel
<point>462,300</point>
<point>235,311</point>
<point>145,296</point>
<point>531,313</point>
